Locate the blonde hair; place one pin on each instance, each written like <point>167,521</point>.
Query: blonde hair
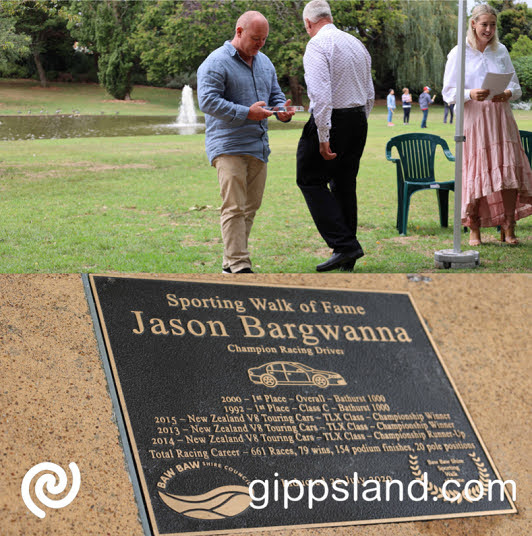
<point>478,11</point>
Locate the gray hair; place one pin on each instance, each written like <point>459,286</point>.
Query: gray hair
<point>317,10</point>
<point>478,11</point>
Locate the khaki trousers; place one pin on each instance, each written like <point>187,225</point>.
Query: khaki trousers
<point>242,179</point>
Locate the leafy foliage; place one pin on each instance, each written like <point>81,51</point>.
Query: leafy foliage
<point>13,46</point>
<point>105,27</point>
<point>523,69</point>
<point>49,40</point>
<point>522,47</point>
<point>419,42</point>
<point>167,40</point>
<point>175,37</point>
<point>514,19</point>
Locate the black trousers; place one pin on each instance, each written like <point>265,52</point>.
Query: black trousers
<point>329,186</point>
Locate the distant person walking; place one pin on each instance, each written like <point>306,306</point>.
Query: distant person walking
<point>448,109</point>
<point>390,102</point>
<point>406,99</point>
<point>424,102</point>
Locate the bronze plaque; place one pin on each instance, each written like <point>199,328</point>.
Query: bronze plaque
<point>250,407</point>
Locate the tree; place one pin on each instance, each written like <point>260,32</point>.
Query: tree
<point>514,20</point>
<point>523,70</point>
<point>371,23</point>
<point>40,21</point>
<point>105,27</point>
<point>418,44</point>
<point>173,37</point>
<point>522,47</point>
<point>13,46</point>
<point>286,43</point>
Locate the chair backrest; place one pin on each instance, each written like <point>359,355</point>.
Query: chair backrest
<point>416,153</point>
<point>526,141</point>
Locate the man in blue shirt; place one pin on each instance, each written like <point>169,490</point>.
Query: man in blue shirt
<point>234,83</point>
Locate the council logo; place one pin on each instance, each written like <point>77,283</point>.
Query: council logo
<point>204,490</point>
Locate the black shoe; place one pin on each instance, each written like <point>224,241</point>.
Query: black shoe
<point>348,266</point>
<point>242,271</point>
<point>337,260</point>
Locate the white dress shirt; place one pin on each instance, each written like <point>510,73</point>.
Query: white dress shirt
<point>338,75</point>
<point>477,64</point>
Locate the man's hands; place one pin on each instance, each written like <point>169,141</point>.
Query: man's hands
<point>325,151</point>
<point>285,116</point>
<point>257,112</point>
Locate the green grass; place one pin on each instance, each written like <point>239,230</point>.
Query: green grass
<point>150,204</point>
<point>88,99</point>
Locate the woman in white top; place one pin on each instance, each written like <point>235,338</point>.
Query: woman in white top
<point>406,99</point>
<point>496,175</point>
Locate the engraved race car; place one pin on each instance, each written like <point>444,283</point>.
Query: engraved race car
<point>289,373</point>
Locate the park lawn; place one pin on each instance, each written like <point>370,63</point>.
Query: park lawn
<point>27,96</point>
<point>151,204</point>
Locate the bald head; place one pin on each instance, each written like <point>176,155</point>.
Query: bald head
<point>249,17</point>
<point>251,32</point>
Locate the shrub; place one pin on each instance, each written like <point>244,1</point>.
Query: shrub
<point>523,69</point>
<point>180,80</point>
<point>115,72</point>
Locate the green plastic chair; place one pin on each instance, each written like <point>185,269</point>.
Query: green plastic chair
<point>415,171</point>
<point>526,141</point>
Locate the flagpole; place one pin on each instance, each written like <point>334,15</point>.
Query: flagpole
<point>456,258</point>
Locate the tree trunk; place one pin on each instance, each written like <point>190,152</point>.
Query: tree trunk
<point>40,69</point>
<point>296,90</point>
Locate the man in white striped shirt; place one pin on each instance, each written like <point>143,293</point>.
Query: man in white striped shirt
<point>340,88</point>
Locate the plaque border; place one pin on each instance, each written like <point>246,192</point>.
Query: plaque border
<point>146,513</point>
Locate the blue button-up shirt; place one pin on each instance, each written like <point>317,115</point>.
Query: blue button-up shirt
<point>227,87</point>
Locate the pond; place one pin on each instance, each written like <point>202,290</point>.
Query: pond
<point>40,127</point>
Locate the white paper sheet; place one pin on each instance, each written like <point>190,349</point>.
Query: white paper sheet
<point>496,83</point>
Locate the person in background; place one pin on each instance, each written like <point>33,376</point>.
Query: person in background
<point>406,99</point>
<point>234,83</point>
<point>339,84</point>
<point>424,102</point>
<point>448,109</point>
<point>496,174</point>
<point>390,102</point>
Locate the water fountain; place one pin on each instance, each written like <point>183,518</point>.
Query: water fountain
<point>187,114</point>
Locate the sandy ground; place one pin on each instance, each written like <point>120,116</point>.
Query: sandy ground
<point>54,403</point>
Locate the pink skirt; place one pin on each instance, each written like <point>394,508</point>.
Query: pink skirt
<point>493,160</point>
